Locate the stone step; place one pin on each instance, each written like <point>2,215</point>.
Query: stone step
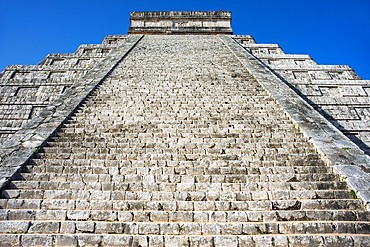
<point>179,149</point>
<point>86,144</point>
<point>199,139</point>
<point>184,164</point>
<point>179,154</point>
<point>89,116</point>
<point>260,205</point>
<point>236,129</point>
<point>290,159</point>
<point>261,104</point>
<point>184,216</point>
<point>115,167</point>
<point>228,178</point>
<point>242,93</point>
<point>196,113</point>
<point>123,240</point>
<point>169,121</point>
<point>194,105</point>
<point>48,193</point>
<point>282,124</point>
<point>180,140</point>
<point>164,109</point>
<point>179,187</point>
<point>166,117</point>
<point>115,121</point>
<point>211,121</point>
<point>173,228</point>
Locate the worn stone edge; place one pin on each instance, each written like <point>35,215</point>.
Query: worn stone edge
<point>16,151</point>
<point>346,158</point>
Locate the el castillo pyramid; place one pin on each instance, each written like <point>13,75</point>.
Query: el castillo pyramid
<point>183,134</point>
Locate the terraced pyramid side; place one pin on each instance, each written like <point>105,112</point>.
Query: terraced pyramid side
<point>182,145</point>
<point>170,140</point>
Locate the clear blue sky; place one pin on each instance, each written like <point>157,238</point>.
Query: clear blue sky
<point>331,31</point>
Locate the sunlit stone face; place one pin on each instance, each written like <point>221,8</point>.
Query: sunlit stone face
<point>203,22</point>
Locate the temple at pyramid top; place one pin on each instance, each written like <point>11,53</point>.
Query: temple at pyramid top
<point>181,22</point>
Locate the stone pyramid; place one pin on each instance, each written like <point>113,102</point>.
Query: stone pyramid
<point>182,134</point>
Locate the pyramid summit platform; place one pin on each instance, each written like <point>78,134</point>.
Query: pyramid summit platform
<point>186,22</point>
<point>169,136</point>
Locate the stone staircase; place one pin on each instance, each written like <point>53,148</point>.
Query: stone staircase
<point>180,146</point>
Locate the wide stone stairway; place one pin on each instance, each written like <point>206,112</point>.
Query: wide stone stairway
<point>180,146</point>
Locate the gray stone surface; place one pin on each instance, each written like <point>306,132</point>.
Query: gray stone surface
<point>336,91</point>
<point>66,240</point>
<point>17,149</point>
<point>184,141</point>
<point>332,145</point>
<point>36,240</point>
<point>13,226</point>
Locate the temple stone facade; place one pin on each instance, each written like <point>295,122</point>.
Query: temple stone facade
<point>182,134</point>
<point>191,22</point>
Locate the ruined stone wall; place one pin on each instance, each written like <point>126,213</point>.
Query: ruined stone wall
<point>26,90</point>
<point>336,91</point>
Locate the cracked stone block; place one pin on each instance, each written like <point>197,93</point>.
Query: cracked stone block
<point>85,226</point>
<point>37,240</point>
<point>78,215</point>
<point>225,241</point>
<point>116,240</point>
<point>156,241</point>
<point>140,241</point>
<point>106,227</point>
<point>44,227</point>
<point>89,240</point>
<point>53,214</point>
<point>361,240</point>
<point>180,241</point>
<point>67,227</point>
<point>65,240</point>
<point>125,216</point>
<point>148,229</point>
<point>305,240</point>
<point>13,227</point>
